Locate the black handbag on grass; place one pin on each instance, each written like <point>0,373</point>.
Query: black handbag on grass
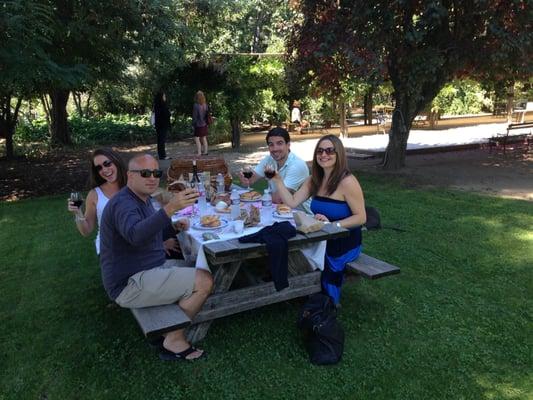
<point>323,335</point>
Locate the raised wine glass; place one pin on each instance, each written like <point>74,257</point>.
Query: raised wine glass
<point>248,173</point>
<point>76,199</point>
<point>270,170</point>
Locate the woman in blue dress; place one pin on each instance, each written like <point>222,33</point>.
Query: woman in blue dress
<point>338,198</point>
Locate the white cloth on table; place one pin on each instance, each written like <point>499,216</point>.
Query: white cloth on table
<point>191,244</point>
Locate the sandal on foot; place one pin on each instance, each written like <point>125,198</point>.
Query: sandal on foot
<point>156,343</point>
<point>168,355</point>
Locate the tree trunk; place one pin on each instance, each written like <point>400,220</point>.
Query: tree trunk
<point>8,123</point>
<point>76,96</point>
<point>367,107</point>
<point>510,99</point>
<point>342,120</point>
<point>402,117</point>
<point>59,126</point>
<point>235,132</point>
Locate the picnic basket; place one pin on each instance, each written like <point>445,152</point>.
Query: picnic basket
<point>180,168</point>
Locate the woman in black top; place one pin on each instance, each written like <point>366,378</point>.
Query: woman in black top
<point>162,123</point>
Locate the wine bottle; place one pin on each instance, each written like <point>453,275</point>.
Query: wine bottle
<point>195,177</point>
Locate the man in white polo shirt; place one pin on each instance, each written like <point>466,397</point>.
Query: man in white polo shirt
<point>290,167</point>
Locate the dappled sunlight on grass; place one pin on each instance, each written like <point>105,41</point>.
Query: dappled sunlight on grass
<point>495,389</point>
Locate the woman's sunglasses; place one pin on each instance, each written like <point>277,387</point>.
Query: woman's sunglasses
<point>328,150</point>
<point>106,163</point>
<point>145,173</point>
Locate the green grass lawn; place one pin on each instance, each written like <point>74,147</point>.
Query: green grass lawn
<point>455,324</point>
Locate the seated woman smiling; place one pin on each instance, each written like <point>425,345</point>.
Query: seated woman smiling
<point>338,198</point>
<point>107,177</point>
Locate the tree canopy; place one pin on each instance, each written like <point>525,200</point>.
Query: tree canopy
<point>417,45</point>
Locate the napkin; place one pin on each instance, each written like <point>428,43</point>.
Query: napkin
<point>184,212</point>
<point>306,223</point>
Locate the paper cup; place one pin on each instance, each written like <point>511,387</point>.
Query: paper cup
<point>238,226</point>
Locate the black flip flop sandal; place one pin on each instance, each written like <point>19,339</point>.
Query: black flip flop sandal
<point>168,355</point>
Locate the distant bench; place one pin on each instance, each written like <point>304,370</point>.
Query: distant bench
<point>154,321</point>
<point>503,138</point>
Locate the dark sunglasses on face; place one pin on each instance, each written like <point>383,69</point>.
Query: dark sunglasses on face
<point>106,163</point>
<point>328,150</point>
<point>145,173</point>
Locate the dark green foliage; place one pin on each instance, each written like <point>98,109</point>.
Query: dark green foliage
<point>109,129</point>
<point>455,324</point>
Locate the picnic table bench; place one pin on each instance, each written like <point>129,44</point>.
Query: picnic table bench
<point>503,139</point>
<point>226,259</point>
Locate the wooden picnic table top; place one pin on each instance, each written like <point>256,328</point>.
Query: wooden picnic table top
<point>221,252</point>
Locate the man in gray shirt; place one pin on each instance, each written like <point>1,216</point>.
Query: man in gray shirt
<point>132,258</point>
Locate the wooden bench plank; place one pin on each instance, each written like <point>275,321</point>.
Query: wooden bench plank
<point>372,268</point>
<point>154,321</point>
<point>235,301</point>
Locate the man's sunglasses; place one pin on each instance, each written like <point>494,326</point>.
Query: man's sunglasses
<point>145,173</point>
<point>328,150</point>
<point>106,163</point>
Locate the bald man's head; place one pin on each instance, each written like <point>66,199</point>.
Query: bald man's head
<point>141,179</point>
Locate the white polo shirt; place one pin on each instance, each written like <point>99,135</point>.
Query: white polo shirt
<point>294,172</point>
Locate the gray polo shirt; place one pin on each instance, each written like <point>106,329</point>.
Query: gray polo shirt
<point>131,239</point>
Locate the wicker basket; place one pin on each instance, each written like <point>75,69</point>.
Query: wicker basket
<point>183,166</point>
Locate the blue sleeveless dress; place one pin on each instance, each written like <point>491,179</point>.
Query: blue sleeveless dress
<point>338,251</point>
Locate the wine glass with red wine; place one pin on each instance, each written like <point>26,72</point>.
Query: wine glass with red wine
<point>270,170</point>
<point>248,173</point>
<point>76,199</point>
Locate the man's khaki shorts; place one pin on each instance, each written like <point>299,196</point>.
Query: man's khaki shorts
<point>166,284</point>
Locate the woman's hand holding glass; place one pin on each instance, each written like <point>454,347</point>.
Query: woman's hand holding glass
<point>74,203</point>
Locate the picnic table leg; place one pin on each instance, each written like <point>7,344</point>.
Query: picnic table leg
<point>298,263</point>
<point>223,278</point>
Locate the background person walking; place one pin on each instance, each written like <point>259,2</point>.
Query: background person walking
<point>200,122</point>
<point>162,123</point>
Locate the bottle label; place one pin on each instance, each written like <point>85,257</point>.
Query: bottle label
<point>267,203</point>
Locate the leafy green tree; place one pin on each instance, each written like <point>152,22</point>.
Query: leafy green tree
<point>417,45</point>
<point>99,41</point>
<point>24,64</point>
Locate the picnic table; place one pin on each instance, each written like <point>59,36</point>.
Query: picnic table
<point>226,257</point>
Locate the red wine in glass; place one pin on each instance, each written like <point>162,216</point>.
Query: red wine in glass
<point>76,199</point>
<point>269,173</point>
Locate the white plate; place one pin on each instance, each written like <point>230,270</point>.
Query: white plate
<point>284,215</point>
<point>250,201</point>
<point>197,225</point>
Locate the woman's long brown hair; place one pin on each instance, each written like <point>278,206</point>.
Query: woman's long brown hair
<point>95,179</point>
<point>340,170</point>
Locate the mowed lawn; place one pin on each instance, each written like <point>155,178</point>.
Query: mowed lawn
<point>455,324</point>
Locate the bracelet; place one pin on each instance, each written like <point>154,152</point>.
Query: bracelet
<point>78,218</point>
<point>338,224</point>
